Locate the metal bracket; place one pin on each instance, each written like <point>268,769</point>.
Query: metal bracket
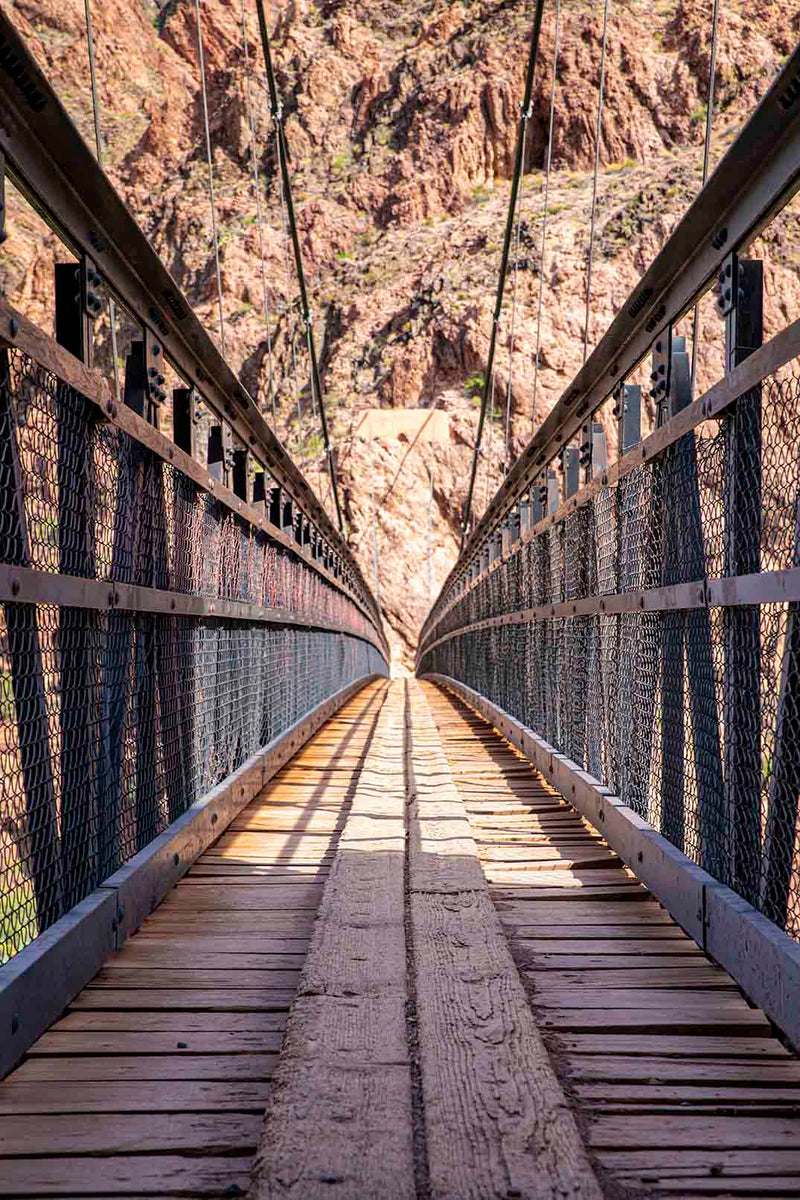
<point>571,465</point>
<point>741,302</point>
<point>185,418</point>
<point>220,453</point>
<point>77,307</point>
<point>628,410</point>
<point>594,456</point>
<point>241,473</point>
<point>553,492</point>
<point>539,500</point>
<point>259,498</point>
<point>144,381</point>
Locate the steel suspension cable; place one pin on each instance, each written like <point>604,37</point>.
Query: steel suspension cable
<point>598,134</point>
<point>546,209</point>
<point>259,212</point>
<point>98,140</point>
<point>487,386</point>
<point>515,269</point>
<point>210,158</point>
<point>316,382</point>
<point>288,272</point>
<point>706,159</point>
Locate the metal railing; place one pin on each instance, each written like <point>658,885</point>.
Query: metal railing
<point>164,614</point>
<point>641,615</point>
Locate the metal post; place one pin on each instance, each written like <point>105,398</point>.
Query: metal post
<point>741,304</point>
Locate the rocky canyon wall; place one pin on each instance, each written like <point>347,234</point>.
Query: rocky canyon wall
<point>401,120</point>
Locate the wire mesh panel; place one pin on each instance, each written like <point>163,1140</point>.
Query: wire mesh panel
<point>684,700</point>
<point>113,721</point>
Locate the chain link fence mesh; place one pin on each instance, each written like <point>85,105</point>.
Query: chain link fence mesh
<point>112,722</point>
<point>691,715</point>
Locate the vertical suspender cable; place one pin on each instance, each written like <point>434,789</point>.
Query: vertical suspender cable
<point>706,158</point>
<point>598,134</point>
<point>546,208</point>
<point>210,158</point>
<point>280,135</point>
<point>487,384</point>
<point>511,331</point>
<point>98,140</point>
<point>259,213</point>
<point>430,531</point>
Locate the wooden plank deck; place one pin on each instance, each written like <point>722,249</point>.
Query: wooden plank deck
<point>409,847</point>
<point>680,1088</point>
<point>155,1081</point>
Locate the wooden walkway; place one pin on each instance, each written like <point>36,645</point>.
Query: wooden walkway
<point>479,1001</point>
<point>680,1087</point>
<point>156,1080</point>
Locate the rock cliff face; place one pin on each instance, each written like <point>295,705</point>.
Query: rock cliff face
<point>401,120</point>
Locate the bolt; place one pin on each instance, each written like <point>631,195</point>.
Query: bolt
<point>14,587</point>
<point>14,1022</point>
<point>156,348</point>
<point>13,326</point>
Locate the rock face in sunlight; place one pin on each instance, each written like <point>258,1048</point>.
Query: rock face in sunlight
<point>401,120</point>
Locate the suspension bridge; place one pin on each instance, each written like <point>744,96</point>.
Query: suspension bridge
<point>277,925</point>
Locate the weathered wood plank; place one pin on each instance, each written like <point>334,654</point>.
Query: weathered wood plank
<point>696,1132</point>
<point>209,999</point>
<point>128,1133</point>
<point>227,897</point>
<point>345,1042</point>
<point>735,1095</point>
<point>64,1044</point>
<point>675,1047</point>
<point>183,1095</point>
<point>696,976</point>
<point>179,1022</point>
<point>141,1067</point>
<point>622,1068</point>
<point>231,977</point>
<point>126,1175</point>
